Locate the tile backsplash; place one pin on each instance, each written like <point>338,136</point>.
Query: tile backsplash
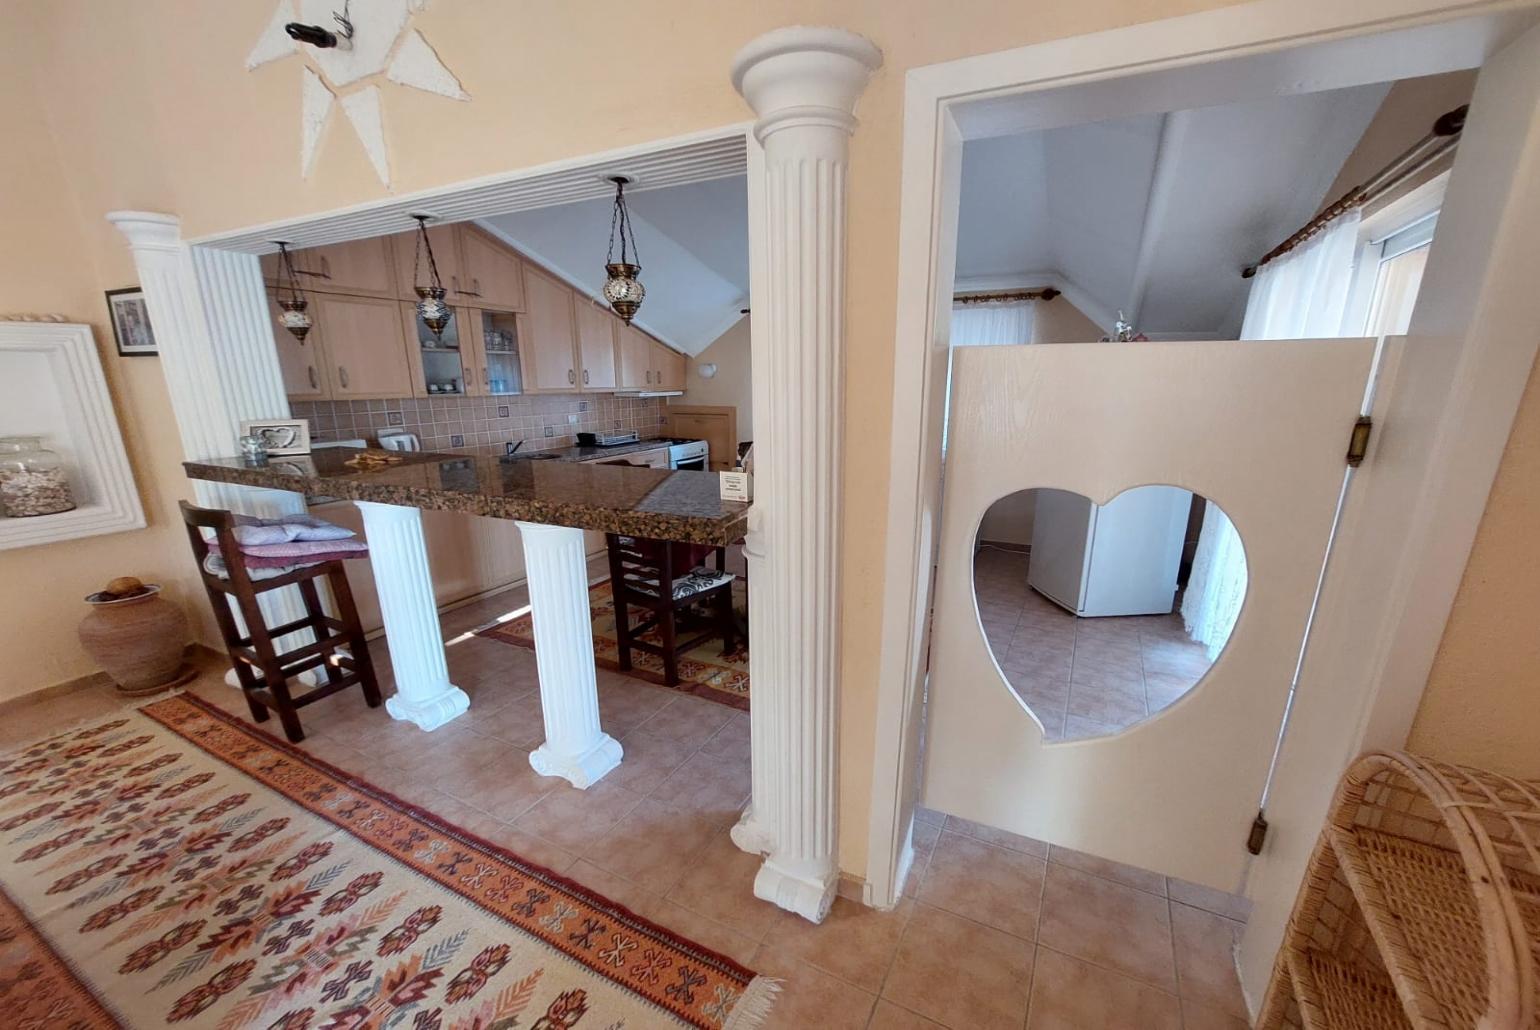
<point>444,423</point>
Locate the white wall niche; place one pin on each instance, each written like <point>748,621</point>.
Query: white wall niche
<point>51,385</point>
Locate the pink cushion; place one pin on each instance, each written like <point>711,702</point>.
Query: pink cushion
<point>302,550</point>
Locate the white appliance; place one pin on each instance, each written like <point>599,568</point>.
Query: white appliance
<point>399,440</point>
<point>1109,559</point>
<point>691,455</point>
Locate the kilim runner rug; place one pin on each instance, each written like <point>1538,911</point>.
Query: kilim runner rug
<point>706,671</point>
<point>175,866</point>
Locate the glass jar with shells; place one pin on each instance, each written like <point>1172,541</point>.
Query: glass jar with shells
<point>33,480</point>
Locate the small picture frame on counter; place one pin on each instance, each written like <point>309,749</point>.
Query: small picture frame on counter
<point>280,437</point>
<point>131,323</point>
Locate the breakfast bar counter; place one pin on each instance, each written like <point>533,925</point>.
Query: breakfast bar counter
<point>552,503</point>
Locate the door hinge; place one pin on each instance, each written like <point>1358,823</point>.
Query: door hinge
<point>1258,834</point>
<point>1358,441</point>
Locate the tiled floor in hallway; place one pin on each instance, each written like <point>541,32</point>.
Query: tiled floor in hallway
<point>1080,677</point>
<point>997,931</point>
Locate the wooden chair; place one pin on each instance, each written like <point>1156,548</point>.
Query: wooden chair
<point>637,568</point>
<point>262,670</point>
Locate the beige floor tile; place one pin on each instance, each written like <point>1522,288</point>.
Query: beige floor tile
<point>715,786</point>
<point>1231,906</point>
<point>1128,875</point>
<point>721,888</point>
<point>1106,699</point>
<point>1068,994</point>
<point>1205,961</point>
<point>927,815</point>
<point>1108,924</point>
<point>506,787</point>
<point>990,885</point>
<point>624,704</point>
<point>519,722</point>
<point>810,997</point>
<point>690,720</point>
<point>854,943</point>
<point>888,1016</point>
<point>1197,1016</point>
<point>732,740</point>
<point>653,844</point>
<point>996,836</point>
<point>577,819</point>
<point>648,761</point>
<point>924,839</point>
<point>960,974</point>
<point>1079,728</point>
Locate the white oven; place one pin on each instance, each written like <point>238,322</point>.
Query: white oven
<point>689,455</point>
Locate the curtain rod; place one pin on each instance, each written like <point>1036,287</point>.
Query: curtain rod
<point>1443,138</point>
<point>1005,296</point>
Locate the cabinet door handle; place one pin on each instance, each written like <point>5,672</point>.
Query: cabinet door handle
<point>571,376</point>
<point>313,384</point>
<point>475,287</point>
<point>454,283</point>
<point>342,374</point>
<point>486,377</point>
<point>585,377</point>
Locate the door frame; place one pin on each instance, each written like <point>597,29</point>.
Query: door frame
<point>1471,386</point>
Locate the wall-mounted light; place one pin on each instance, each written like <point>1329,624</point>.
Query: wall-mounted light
<point>430,296</point>
<point>622,288</point>
<point>294,317</point>
<point>707,371</point>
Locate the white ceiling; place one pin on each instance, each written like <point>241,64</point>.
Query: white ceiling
<point>694,247</point>
<point>1155,215</point>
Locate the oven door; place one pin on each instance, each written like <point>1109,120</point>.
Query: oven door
<point>696,464</point>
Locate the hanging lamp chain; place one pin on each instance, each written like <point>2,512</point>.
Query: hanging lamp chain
<point>286,260</point>
<point>620,221</point>
<point>423,241</point>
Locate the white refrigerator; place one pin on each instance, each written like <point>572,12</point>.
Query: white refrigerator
<point>1109,559</point>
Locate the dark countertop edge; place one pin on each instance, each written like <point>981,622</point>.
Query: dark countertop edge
<point>654,525</point>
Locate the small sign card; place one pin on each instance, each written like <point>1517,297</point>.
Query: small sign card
<point>736,486</point>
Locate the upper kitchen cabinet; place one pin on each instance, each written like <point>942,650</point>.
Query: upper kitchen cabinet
<point>441,365</point>
<point>490,271</point>
<point>491,342</point>
<point>548,345</point>
<point>363,346</point>
<point>633,350</point>
<point>596,345</point>
<point>668,368</point>
<point>362,268</point>
<point>446,257</point>
<point>300,362</point>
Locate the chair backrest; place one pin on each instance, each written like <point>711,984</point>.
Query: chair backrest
<point>638,560</point>
<point>222,522</point>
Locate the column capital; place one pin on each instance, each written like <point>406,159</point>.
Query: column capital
<point>148,229</point>
<point>804,75</point>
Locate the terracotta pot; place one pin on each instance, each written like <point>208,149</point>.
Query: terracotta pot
<point>138,641</point>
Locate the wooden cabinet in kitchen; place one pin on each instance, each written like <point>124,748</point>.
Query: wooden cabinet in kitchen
<point>668,368</point>
<point>442,365</point>
<point>491,342</point>
<point>300,363</point>
<point>362,345</point>
<point>362,268</point>
<point>633,351</point>
<point>596,345</point>
<point>548,345</point>
<point>489,271</point>
<point>446,257</point>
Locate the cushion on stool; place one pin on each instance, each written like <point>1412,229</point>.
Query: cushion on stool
<point>697,580</point>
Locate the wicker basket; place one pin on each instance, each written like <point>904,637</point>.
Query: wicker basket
<point>1420,907</point>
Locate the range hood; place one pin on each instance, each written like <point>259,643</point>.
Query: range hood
<point>649,393</point>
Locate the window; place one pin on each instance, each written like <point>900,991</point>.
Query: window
<point>1393,250</point>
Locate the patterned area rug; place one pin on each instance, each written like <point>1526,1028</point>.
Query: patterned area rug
<point>175,866</point>
<point>707,671</point>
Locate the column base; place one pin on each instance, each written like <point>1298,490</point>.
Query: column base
<point>432,712</point>
<point>751,835</point>
<point>582,770</point>
<point>807,896</point>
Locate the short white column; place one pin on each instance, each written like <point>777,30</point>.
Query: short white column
<point>575,748</point>
<point>399,556</point>
<point>803,84</point>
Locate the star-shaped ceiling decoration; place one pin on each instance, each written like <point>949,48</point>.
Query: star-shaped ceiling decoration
<point>383,43</point>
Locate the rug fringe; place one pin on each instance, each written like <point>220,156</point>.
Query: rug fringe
<point>753,1006</point>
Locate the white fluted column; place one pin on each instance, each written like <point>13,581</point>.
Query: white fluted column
<point>575,748</point>
<point>399,556</point>
<point>210,315</point>
<point>803,84</point>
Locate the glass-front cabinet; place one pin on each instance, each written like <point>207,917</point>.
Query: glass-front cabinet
<point>440,365</point>
<point>493,368</point>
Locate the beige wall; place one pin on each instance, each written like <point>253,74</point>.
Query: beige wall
<point>1059,321</point>
<point>730,387</point>
<point>150,107</point>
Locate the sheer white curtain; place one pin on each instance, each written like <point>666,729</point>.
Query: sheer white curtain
<point>991,325</point>
<point>1299,296</point>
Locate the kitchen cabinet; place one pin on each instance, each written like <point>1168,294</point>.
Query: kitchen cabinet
<point>301,364</point>
<point>667,367</point>
<point>363,346</point>
<point>491,342</point>
<point>596,345</point>
<point>633,351</point>
<point>489,271</point>
<point>446,256</point>
<point>441,365</point>
<point>361,268</point>
<point>548,344</point>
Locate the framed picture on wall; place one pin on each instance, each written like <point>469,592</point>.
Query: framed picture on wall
<point>131,322</point>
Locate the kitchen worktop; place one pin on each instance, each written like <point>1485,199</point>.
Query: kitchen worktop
<point>657,503</point>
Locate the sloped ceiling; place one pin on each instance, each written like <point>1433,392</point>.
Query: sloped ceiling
<point>694,248</point>
<point>1155,215</point>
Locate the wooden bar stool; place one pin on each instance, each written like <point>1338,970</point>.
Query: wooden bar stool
<point>661,578</point>
<point>264,672</point>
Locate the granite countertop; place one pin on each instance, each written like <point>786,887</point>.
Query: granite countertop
<point>657,503</point>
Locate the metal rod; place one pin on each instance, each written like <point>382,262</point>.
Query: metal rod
<point>1005,296</point>
<point>1441,140</point>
